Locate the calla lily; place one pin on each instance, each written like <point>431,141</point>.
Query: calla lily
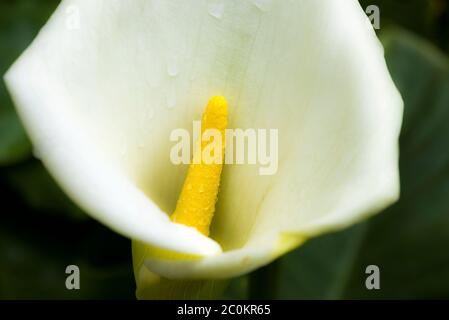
<point>99,96</point>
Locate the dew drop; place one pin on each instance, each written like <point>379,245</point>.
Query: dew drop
<point>171,100</point>
<point>263,5</point>
<point>172,66</point>
<point>150,114</point>
<point>171,96</point>
<point>123,150</point>
<point>216,10</point>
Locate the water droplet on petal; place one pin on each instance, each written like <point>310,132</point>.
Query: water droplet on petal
<point>170,97</point>
<point>263,5</point>
<point>150,114</point>
<point>172,66</point>
<point>123,150</point>
<point>171,100</point>
<point>216,10</point>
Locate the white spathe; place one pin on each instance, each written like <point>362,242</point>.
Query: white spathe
<point>99,96</point>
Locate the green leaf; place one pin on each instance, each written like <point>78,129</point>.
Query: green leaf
<point>36,249</point>
<point>37,189</point>
<point>320,269</point>
<point>20,21</point>
<point>237,289</point>
<point>409,240</point>
<point>14,145</point>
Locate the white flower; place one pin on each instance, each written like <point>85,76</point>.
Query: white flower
<point>105,82</point>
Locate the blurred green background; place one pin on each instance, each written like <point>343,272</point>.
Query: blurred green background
<point>41,231</point>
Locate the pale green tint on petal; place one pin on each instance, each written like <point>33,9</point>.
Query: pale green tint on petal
<point>229,264</point>
<point>101,100</point>
<point>151,286</point>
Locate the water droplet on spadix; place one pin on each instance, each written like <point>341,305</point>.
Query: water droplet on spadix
<point>216,10</point>
<point>263,5</point>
